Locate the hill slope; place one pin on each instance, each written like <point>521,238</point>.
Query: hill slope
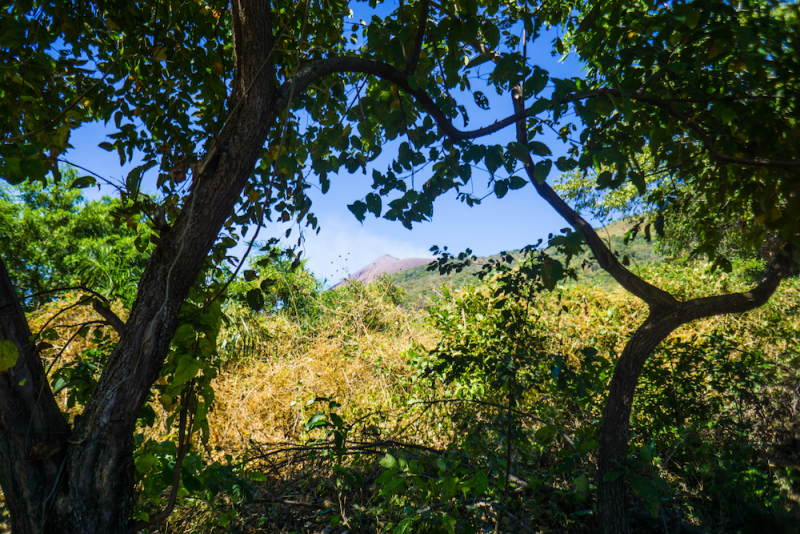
<point>385,265</point>
<point>423,287</point>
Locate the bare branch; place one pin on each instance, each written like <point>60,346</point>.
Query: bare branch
<point>110,317</point>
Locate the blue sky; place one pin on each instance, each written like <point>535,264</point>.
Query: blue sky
<point>344,245</point>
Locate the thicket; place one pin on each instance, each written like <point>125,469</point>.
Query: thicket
<point>343,410</point>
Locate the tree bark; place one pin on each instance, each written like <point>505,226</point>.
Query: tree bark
<point>612,499</point>
<point>87,485</point>
<point>34,434</point>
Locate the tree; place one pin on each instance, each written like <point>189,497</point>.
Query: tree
<point>229,104</point>
<point>51,237</point>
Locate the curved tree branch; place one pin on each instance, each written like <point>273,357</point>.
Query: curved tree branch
<point>780,267</point>
<point>655,297</point>
<point>308,74</point>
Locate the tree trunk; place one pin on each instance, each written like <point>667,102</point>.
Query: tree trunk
<point>34,434</point>
<point>86,486</point>
<point>612,500</point>
<point>660,323</point>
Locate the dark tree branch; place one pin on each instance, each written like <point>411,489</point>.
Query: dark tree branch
<point>652,295</point>
<point>411,66</point>
<point>110,317</point>
<point>779,268</point>
<point>324,67</point>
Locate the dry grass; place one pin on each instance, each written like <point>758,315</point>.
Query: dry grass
<point>353,351</point>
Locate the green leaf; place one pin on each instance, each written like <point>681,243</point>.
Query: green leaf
<point>255,299</point>
<point>359,209</point>
<point>515,182</point>
<point>638,180</point>
<point>481,483</point>
<point>250,275</point>
<point>536,82</point>
<point>393,486</point>
<point>677,68</point>
<point>539,106</point>
<point>404,526</point>
<point>604,179</point>
<point>317,420</point>
<point>83,182</point>
<point>185,334</point>
<point>449,524</point>
<point>647,453</point>
<point>539,148</point>
<point>627,108</point>
<point>449,486</point>
<point>541,170</point>
<point>389,462</point>
<point>724,113</point>
<point>493,158</point>
<point>187,369</point>
<point>501,188</point>
<point>564,164</point>
<point>519,151</point>
<point>480,100</point>
<point>692,18</point>
<point>648,491</point>
<point>479,60</point>
<point>374,204</point>
<point>8,355</point>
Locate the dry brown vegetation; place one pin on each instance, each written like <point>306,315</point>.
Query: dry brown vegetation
<point>353,350</point>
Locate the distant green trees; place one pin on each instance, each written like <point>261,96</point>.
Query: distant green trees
<point>52,237</point>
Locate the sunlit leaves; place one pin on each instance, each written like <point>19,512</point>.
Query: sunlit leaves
<point>8,355</point>
<point>722,71</point>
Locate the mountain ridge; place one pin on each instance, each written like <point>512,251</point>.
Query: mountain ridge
<point>384,265</point>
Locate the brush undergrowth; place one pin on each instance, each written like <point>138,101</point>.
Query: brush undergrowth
<point>344,411</point>
<point>482,414</point>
